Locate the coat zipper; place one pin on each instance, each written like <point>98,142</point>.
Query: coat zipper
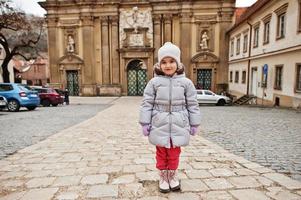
<point>170,89</point>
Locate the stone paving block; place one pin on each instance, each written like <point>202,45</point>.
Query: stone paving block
<point>244,182</point>
<point>249,194</point>
<point>124,179</point>
<point>244,172</point>
<point>67,181</point>
<point>94,179</point>
<point>264,181</point>
<point>284,181</point>
<point>109,169</point>
<point>87,170</point>
<point>201,165</point>
<point>184,165</point>
<point>134,168</point>
<point>220,172</point>
<point>121,162</point>
<point>56,166</point>
<point>193,185</point>
<point>144,161</point>
<point>63,172</point>
<point>179,196</point>
<point>262,170</point>
<point>100,191</point>
<point>147,176</point>
<point>217,195</point>
<point>251,165</point>
<point>13,196</point>
<point>218,183</point>
<point>38,173</point>
<point>67,196</point>
<point>284,195</point>
<point>40,182</point>
<point>40,194</point>
<point>198,173</point>
<point>153,198</point>
<point>12,183</point>
<point>12,174</point>
<point>132,190</point>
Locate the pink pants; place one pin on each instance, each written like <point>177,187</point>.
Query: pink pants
<point>167,158</point>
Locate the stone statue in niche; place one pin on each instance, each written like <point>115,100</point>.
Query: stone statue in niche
<point>70,44</point>
<point>204,41</point>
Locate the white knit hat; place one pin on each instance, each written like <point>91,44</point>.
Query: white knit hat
<point>169,50</point>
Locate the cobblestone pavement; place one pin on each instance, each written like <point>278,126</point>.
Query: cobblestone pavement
<point>268,136</point>
<point>25,128</point>
<point>106,157</point>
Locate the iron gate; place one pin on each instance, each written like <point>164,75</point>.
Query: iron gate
<point>72,83</point>
<point>204,79</point>
<point>136,82</point>
<point>136,78</point>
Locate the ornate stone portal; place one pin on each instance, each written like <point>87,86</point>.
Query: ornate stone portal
<point>109,48</point>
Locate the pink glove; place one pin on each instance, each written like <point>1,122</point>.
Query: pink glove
<point>146,129</point>
<point>193,130</point>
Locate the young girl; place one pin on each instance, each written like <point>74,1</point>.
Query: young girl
<point>169,114</point>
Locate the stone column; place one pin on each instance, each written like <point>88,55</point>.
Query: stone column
<point>157,35</point>
<point>53,50</point>
<point>167,18</point>
<point>105,50</point>
<point>185,41</point>
<point>97,39</point>
<point>88,50</point>
<point>114,50</point>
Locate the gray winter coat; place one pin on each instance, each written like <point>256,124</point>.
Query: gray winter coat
<point>171,107</point>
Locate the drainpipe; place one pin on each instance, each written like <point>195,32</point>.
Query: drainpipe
<point>249,55</point>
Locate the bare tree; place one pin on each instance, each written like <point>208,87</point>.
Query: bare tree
<point>19,35</point>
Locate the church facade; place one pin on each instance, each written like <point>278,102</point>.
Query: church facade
<point>99,48</point>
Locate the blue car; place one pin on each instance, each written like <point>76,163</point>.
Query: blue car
<point>18,96</point>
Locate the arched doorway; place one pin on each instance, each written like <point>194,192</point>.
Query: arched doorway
<point>136,77</point>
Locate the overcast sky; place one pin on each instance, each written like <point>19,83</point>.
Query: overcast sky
<point>31,6</point>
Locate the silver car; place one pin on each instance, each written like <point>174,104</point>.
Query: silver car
<point>3,102</point>
<point>209,97</point>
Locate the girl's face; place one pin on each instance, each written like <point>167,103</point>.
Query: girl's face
<point>168,66</point>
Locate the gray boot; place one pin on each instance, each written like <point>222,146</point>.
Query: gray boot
<point>163,182</point>
<point>173,180</point>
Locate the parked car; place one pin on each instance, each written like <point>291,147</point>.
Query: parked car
<point>48,96</point>
<point>18,96</point>
<point>3,102</point>
<point>209,97</point>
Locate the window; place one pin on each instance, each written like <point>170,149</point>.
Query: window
<point>298,78</point>
<point>208,93</point>
<point>281,21</point>
<point>231,76</point>
<point>278,77</point>
<point>236,76</point>
<point>245,45</point>
<point>232,47</point>
<point>256,36</point>
<point>238,46</point>
<point>244,76</point>
<point>266,29</point>
<point>281,26</point>
<point>266,35</point>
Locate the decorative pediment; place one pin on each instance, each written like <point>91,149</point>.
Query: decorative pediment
<point>205,57</point>
<point>70,59</point>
